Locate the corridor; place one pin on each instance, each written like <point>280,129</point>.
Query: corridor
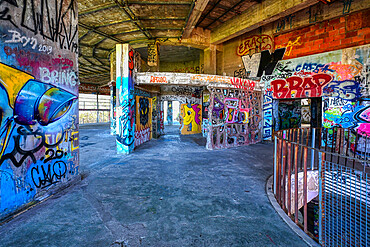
<point>169,192</point>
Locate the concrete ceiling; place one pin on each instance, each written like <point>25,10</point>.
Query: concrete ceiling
<point>105,23</point>
<point>169,54</point>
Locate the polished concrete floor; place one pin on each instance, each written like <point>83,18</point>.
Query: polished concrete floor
<point>169,192</point>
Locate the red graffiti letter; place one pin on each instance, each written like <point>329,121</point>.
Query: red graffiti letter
<point>295,84</point>
<point>321,81</point>
<point>280,91</point>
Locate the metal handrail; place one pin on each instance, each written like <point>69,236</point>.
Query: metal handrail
<point>300,154</point>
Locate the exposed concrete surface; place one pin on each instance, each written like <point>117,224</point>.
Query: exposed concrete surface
<point>285,217</point>
<point>169,192</point>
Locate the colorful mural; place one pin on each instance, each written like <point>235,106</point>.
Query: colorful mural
<point>191,119</point>
<point>39,138</point>
<point>289,115</point>
<point>113,113</point>
<point>339,77</point>
<point>234,118</point>
<point>143,127</point>
<point>127,63</point>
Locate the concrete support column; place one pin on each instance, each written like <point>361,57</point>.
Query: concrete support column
<point>113,108</point>
<point>97,106</point>
<point>153,56</point>
<point>210,64</point>
<point>112,86</point>
<point>169,113</point>
<point>125,101</point>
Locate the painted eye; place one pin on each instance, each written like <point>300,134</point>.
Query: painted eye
<point>61,112</point>
<point>53,105</point>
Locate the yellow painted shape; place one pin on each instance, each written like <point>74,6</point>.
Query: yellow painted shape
<point>75,138</point>
<point>190,119</point>
<point>13,80</point>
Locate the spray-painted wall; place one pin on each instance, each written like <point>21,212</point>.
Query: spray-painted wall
<point>38,100</point>
<point>191,119</point>
<point>183,94</point>
<point>143,128</point>
<point>234,118</point>
<point>340,77</point>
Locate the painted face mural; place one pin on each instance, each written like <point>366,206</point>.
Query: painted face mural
<point>143,127</point>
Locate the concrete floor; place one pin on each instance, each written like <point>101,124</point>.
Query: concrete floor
<point>169,192</point>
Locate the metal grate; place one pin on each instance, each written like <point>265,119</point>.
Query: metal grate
<point>345,206</point>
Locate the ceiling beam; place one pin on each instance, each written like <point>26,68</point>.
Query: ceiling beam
<point>90,46</point>
<point>157,3</point>
<point>94,10</point>
<point>126,9</point>
<point>97,58</point>
<point>255,16</point>
<point>195,13</point>
<point>226,8</point>
<point>89,70</point>
<point>208,12</point>
<point>95,75</point>
<point>171,18</point>
<point>226,12</point>
<point>99,69</point>
<point>92,63</point>
<point>93,29</point>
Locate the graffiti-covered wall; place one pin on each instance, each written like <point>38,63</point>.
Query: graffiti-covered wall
<point>183,94</point>
<point>234,118</point>
<point>38,100</point>
<point>143,128</point>
<point>339,77</point>
<point>191,119</point>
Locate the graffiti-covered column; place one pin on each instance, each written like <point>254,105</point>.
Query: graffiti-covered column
<point>39,138</point>
<point>169,113</point>
<point>112,87</point>
<point>125,102</point>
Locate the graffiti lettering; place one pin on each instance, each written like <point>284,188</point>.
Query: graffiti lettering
<point>242,83</point>
<point>284,22</point>
<point>57,28</point>
<point>254,44</point>
<point>68,78</point>
<point>142,136</point>
<point>347,90</point>
<point>290,45</point>
<point>262,63</point>
<point>46,175</point>
<point>267,115</point>
<point>158,79</point>
<point>297,87</point>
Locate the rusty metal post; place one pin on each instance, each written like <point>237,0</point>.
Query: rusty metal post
<point>285,154</point>
<point>278,158</point>
<point>305,191</point>
<point>275,162</point>
<point>313,146</point>
<point>289,178</point>
<point>296,183</point>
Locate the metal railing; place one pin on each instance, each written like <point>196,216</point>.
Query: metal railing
<point>321,180</point>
